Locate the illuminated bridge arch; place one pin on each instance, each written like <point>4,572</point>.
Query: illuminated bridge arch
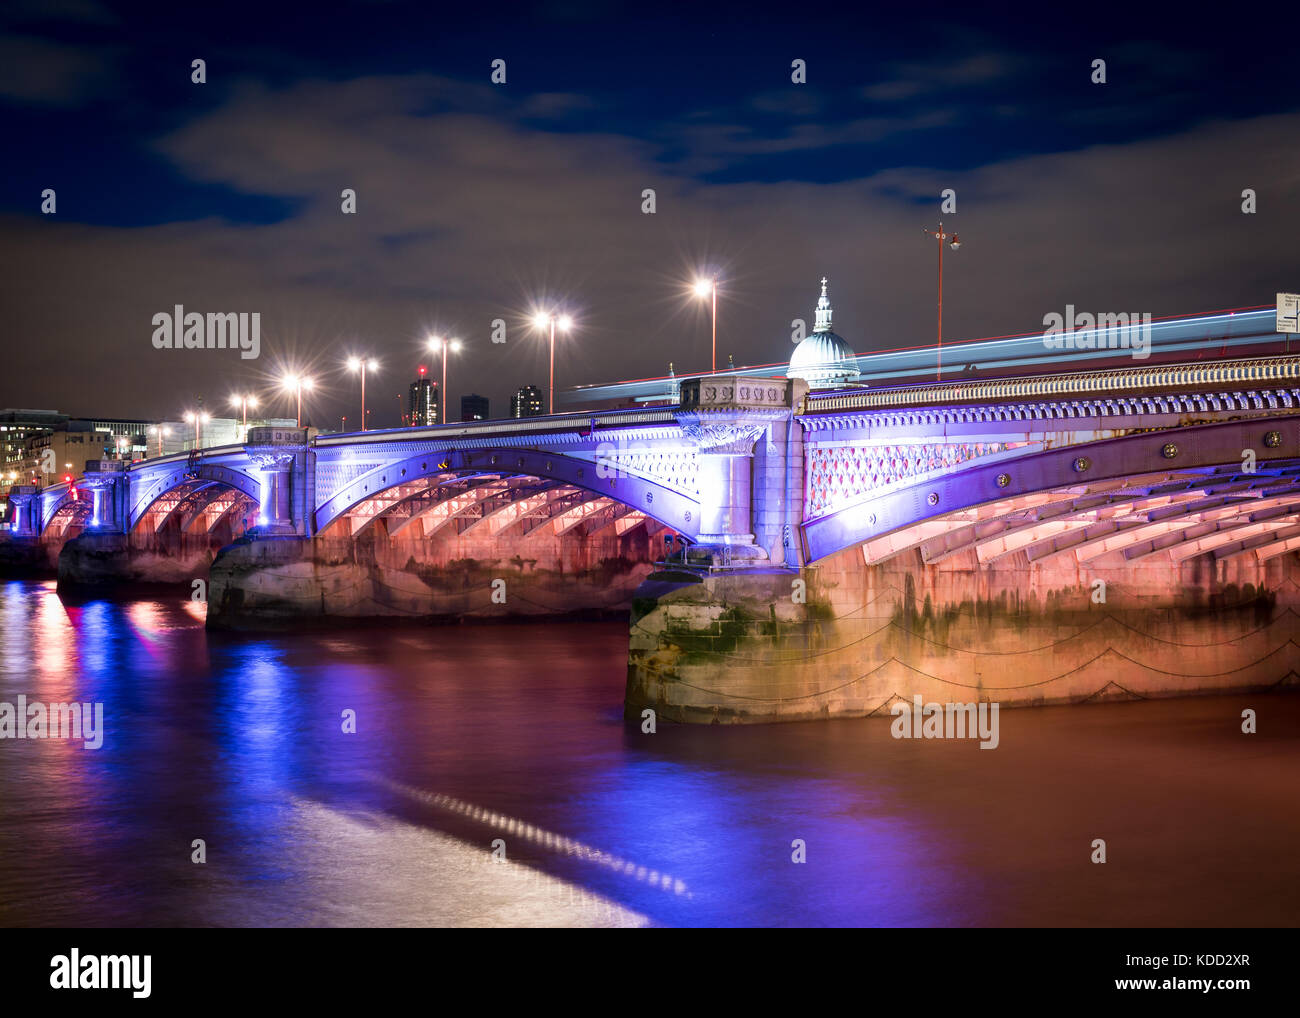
<point>516,488</point>
<point>66,509</point>
<point>202,496</point>
<point>1179,491</point>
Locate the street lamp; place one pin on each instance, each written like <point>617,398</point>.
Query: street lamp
<point>709,288</point>
<point>159,430</point>
<point>296,384</point>
<point>243,403</point>
<point>362,364</point>
<point>445,344</point>
<point>940,236</point>
<point>542,320</point>
<point>198,420</point>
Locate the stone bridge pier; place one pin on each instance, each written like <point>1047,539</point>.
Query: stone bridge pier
<point>1064,539</point>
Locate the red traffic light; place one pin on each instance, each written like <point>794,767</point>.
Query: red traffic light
<point>67,478</point>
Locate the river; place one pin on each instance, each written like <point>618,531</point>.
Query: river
<point>468,735</point>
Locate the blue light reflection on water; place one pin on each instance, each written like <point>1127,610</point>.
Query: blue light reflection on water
<point>237,739</point>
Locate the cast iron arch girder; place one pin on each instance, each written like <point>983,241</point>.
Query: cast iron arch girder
<point>563,498</point>
<point>158,486</point>
<point>1063,515</point>
<point>395,501</point>
<point>1279,542</point>
<point>496,500</point>
<point>1202,449</point>
<point>238,502</point>
<point>181,499</point>
<point>421,506</point>
<point>72,512</point>
<point>50,501</point>
<point>672,508</point>
<point>1101,538</point>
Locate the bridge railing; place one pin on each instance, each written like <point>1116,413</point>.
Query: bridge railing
<point>1195,376</point>
<point>524,425</point>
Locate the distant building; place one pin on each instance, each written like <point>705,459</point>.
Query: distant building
<point>527,402</point>
<point>49,454</point>
<point>422,403</point>
<point>473,407</point>
<point>217,431</point>
<point>17,426</point>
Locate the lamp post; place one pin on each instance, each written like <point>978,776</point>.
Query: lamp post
<point>160,430</point>
<point>243,403</point>
<point>436,342</point>
<point>198,420</point>
<point>565,323</point>
<point>296,384</point>
<point>940,236</point>
<point>709,288</point>
<point>362,364</point>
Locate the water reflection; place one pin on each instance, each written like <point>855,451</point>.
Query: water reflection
<point>469,734</point>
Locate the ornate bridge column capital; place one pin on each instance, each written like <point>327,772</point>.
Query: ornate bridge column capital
<point>274,448</point>
<point>276,453</point>
<point>725,415</point>
<point>721,433</point>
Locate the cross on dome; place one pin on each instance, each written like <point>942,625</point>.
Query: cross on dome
<point>823,322</point>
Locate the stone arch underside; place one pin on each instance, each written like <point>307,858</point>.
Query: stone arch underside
<point>69,515</point>
<point>509,492</point>
<point>1177,492</point>
<point>203,496</point>
<point>502,506</point>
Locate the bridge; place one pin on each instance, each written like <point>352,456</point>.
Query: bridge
<point>773,539</point>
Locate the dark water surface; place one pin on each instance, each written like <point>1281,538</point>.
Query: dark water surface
<point>468,734</point>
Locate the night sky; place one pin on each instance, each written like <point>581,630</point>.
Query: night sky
<point>478,201</point>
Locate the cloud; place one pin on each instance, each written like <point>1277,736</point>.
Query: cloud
<point>464,217</point>
<point>555,105</point>
<point>34,70</point>
<point>909,80</point>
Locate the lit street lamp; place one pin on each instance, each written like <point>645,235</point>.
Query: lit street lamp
<point>243,403</point>
<point>443,343</point>
<point>362,365</point>
<point>709,288</point>
<point>940,236</point>
<point>296,384</point>
<point>159,430</point>
<point>198,420</point>
<point>565,323</point>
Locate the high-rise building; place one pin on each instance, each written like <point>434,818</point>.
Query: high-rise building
<point>422,403</point>
<point>473,407</point>
<point>527,402</point>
